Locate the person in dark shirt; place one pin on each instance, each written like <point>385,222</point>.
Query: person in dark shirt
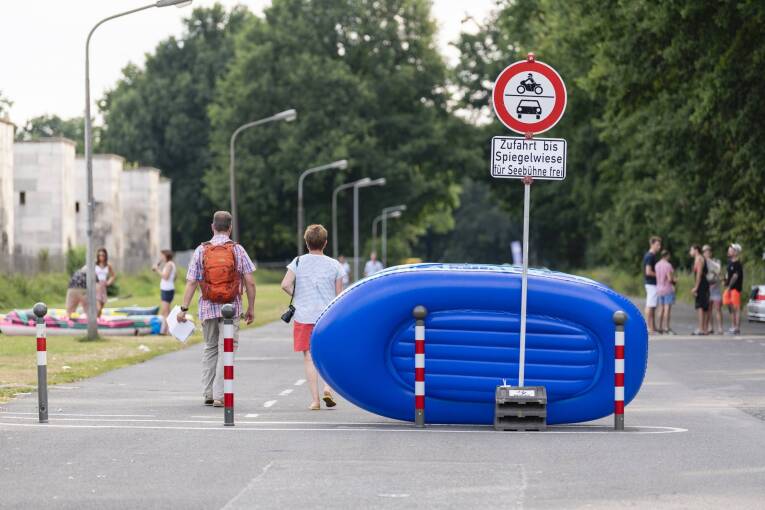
<point>734,282</point>
<point>649,278</point>
<point>700,289</point>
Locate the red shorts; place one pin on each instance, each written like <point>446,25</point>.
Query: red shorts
<point>302,336</point>
<point>732,297</point>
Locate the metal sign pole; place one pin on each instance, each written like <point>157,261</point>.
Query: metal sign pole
<point>524,277</point>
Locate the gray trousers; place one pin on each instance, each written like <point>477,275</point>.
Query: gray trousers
<point>212,357</point>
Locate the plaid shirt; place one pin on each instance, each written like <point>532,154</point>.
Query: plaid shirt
<point>244,265</point>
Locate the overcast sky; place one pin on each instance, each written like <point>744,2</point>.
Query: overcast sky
<point>42,45</point>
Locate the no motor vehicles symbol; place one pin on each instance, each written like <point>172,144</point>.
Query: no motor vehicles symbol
<point>529,97</point>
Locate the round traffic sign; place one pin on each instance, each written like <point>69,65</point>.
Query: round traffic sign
<point>529,97</point>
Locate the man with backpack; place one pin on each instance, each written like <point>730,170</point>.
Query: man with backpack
<point>220,267</point>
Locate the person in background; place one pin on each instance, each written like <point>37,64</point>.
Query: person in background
<point>104,278</point>
<point>714,269</point>
<point>373,265</point>
<point>700,289</point>
<point>166,270</point>
<point>313,280</point>
<point>649,278</point>
<point>346,270</point>
<point>218,266</point>
<point>76,292</point>
<point>734,282</point>
<point>665,291</point>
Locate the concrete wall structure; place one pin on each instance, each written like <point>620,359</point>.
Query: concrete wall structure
<point>6,186</point>
<point>139,196</point>
<point>44,204</point>
<point>165,217</point>
<point>107,231</point>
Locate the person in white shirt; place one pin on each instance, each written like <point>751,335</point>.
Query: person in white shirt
<point>167,271</point>
<point>373,265</point>
<point>313,280</point>
<point>346,270</point>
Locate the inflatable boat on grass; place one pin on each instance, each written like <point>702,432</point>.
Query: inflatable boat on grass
<point>363,344</point>
<point>23,323</point>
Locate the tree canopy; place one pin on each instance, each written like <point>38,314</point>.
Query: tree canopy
<point>663,125</point>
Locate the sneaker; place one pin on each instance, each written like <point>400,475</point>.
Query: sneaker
<point>698,332</point>
<point>208,401</point>
<point>669,332</point>
<point>217,403</point>
<point>733,331</point>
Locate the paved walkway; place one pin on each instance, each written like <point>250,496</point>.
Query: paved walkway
<point>139,437</point>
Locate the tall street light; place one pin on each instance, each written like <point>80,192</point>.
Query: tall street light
<point>338,165</point>
<point>334,209</point>
<point>387,213</point>
<point>376,221</point>
<point>90,255</point>
<point>376,182</point>
<point>287,116</point>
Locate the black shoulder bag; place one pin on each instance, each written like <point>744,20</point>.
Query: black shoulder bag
<point>287,316</point>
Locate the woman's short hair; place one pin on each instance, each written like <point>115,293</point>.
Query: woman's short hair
<point>167,254</point>
<point>315,237</point>
<point>106,254</point>
<point>665,253</point>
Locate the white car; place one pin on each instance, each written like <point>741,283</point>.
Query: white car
<point>755,310</point>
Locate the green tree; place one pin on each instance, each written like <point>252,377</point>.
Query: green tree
<point>157,116</point>
<point>663,123</point>
<point>45,126</point>
<point>368,85</point>
<point>5,105</point>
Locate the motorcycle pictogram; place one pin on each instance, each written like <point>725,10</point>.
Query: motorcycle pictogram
<point>529,85</point>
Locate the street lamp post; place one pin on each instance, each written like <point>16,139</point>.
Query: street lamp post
<point>376,182</point>
<point>90,255</point>
<point>383,217</point>
<point>334,209</point>
<point>339,165</point>
<point>287,116</point>
<point>388,213</point>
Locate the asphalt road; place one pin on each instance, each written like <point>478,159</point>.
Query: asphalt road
<point>140,437</point>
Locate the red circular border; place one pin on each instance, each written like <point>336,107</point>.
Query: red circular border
<point>507,118</point>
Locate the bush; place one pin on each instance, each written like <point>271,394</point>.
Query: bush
<point>75,258</point>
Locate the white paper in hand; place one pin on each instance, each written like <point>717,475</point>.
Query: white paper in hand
<point>180,330</point>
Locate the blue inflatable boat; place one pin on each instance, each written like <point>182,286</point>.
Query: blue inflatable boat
<point>363,344</point>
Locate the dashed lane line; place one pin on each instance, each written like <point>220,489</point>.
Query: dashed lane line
<point>299,382</point>
<point>269,403</point>
<point>286,392</point>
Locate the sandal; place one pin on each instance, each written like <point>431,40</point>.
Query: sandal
<point>315,407</point>
<point>328,401</point>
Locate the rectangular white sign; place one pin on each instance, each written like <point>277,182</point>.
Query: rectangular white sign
<point>540,158</point>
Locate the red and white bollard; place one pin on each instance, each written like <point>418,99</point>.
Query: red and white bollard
<point>40,310</point>
<point>419,312</point>
<point>619,319</point>
<point>228,364</point>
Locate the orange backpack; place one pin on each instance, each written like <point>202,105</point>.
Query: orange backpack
<point>220,283</point>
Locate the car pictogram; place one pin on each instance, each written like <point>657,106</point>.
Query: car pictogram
<point>530,107</point>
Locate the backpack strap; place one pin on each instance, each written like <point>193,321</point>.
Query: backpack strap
<point>294,284</point>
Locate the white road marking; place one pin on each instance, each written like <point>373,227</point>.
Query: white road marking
<point>251,415</point>
<point>269,403</point>
<point>395,496</point>
<point>286,392</point>
<point>299,382</point>
<point>52,414</point>
<point>261,358</point>
<point>486,430</point>
<point>249,485</point>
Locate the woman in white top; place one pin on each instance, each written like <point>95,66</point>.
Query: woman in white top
<point>315,280</point>
<point>104,278</point>
<point>167,273</point>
